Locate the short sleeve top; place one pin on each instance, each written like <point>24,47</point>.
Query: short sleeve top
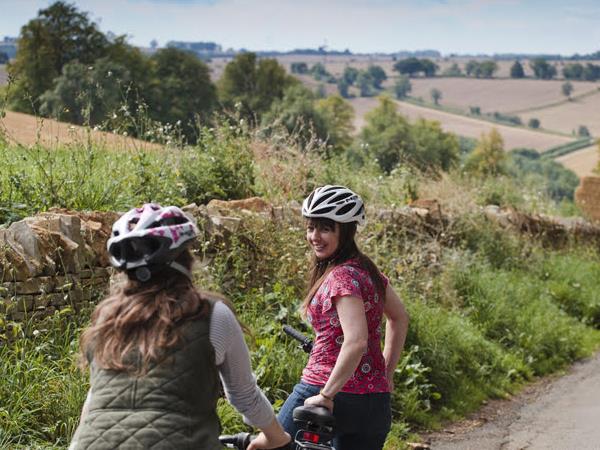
<point>349,279</point>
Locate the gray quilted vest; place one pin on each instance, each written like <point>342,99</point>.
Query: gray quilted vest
<point>173,406</point>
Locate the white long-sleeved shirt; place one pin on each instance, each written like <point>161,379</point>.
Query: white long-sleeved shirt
<point>233,362</point>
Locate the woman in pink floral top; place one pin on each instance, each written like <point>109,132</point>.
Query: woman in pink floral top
<point>347,371</point>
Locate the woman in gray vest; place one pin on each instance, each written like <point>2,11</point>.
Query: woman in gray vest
<point>157,346</point>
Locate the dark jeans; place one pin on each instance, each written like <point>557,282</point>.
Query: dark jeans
<point>362,420</point>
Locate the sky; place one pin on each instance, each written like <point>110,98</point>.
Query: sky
<point>362,26</point>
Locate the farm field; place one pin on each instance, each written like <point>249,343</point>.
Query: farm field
<point>506,96</point>
<point>582,162</point>
<point>336,64</point>
<point>24,129</point>
<point>464,126</point>
<point>570,115</point>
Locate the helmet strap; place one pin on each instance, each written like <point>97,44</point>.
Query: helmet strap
<point>180,268</point>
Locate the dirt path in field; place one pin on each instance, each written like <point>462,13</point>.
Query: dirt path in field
<point>560,413</point>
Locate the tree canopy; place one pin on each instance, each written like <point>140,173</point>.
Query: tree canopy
<point>58,35</point>
<point>254,84</point>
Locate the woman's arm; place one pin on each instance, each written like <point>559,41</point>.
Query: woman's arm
<point>239,383</point>
<point>353,320</point>
<point>396,327</point>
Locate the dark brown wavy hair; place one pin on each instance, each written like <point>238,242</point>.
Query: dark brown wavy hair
<point>347,249</point>
<point>139,321</point>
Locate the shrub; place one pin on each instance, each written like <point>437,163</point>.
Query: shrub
<point>219,166</point>
<point>533,123</point>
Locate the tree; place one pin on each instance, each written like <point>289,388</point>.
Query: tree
<point>377,75</point>
<point>583,131</point>
<point>573,71</point>
<point>487,69</point>
<point>533,123</point>
<point>567,89</point>
<point>402,87</point>
<point>386,135</point>
<point>343,87</point>
<point>338,116</point>
<point>319,72</point>
<point>409,66</point>
<point>181,89</point>
<point>58,35</point>
<point>253,85</point>
<point>85,94</point>
<point>516,70</point>
<point>350,75</point>
<point>299,68</point>
<point>429,67</point>
<point>3,58</point>
<point>296,113</point>
<point>472,68</point>
<point>542,69</point>
<point>435,149</point>
<point>488,156</point>
<point>453,71</point>
<point>365,84</point>
<point>436,95</point>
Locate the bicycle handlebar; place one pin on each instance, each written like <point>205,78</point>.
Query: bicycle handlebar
<point>241,441</point>
<point>305,342</point>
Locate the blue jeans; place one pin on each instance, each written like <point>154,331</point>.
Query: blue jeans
<point>362,420</point>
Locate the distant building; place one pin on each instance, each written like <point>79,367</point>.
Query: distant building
<point>202,49</point>
<point>9,46</point>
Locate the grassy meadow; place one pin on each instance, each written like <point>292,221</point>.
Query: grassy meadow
<point>490,310</point>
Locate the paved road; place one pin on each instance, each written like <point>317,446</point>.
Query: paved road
<point>563,414</point>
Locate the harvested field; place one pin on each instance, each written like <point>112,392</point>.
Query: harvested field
<point>465,126</point>
<point>570,115</point>
<point>506,96</point>
<point>27,130</point>
<point>582,162</point>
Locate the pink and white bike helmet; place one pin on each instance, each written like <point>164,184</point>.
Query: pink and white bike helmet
<point>337,203</point>
<point>150,236</point>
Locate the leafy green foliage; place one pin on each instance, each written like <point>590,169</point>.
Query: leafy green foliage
<point>58,35</point>
<point>219,166</point>
<point>412,66</point>
<point>483,69</point>
<point>542,69</point>
<point>338,116</point>
<point>553,178</point>
<point>255,85</point>
<point>181,91</point>
<point>85,95</point>
<point>377,75</point>
<point>516,70</point>
<point>488,157</point>
<point>296,112</point>
<point>402,87</point>
<point>388,137</point>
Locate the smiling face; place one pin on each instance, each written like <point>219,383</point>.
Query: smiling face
<point>323,237</point>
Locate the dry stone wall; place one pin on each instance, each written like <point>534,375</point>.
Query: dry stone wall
<point>58,259</point>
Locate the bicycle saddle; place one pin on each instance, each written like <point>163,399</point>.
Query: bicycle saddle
<point>316,415</point>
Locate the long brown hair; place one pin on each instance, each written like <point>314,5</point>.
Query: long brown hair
<point>347,249</point>
<point>138,321</point>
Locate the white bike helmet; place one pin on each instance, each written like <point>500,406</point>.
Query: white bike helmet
<point>150,236</point>
<point>337,203</point>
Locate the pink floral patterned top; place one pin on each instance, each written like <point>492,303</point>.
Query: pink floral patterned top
<point>349,279</point>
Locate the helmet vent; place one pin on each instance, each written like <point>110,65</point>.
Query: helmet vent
<point>346,208</point>
<point>324,210</point>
